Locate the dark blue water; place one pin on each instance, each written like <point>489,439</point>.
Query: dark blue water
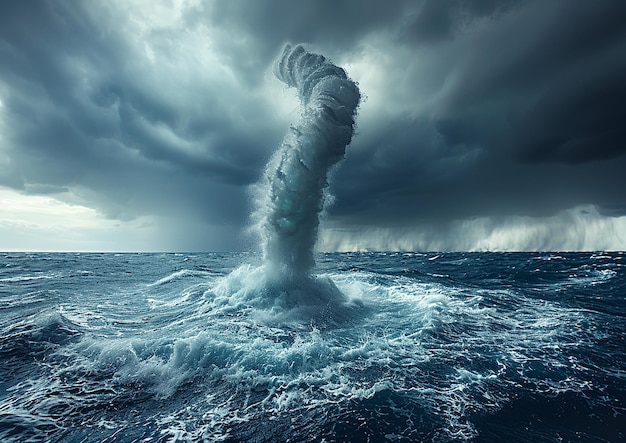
<point>426,347</point>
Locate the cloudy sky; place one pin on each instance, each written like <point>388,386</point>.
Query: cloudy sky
<point>141,125</point>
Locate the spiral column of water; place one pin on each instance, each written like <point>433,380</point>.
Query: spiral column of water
<point>292,195</point>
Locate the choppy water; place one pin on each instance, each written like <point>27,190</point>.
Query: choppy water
<point>426,347</point>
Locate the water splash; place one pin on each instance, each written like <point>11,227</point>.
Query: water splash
<point>292,194</point>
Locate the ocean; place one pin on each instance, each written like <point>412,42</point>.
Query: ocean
<point>398,347</point>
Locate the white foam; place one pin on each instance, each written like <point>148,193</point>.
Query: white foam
<point>178,275</point>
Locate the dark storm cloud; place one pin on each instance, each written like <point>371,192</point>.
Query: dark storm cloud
<point>474,108</point>
<point>436,21</point>
<point>526,119</point>
<point>254,32</point>
<point>84,111</point>
<point>560,69</point>
<point>70,87</point>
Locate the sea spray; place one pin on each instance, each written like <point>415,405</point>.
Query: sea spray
<point>293,192</point>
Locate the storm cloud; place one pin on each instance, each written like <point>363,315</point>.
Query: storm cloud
<point>479,115</point>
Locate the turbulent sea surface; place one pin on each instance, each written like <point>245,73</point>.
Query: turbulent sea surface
<point>424,347</point>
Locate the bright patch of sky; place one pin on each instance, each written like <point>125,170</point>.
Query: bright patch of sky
<point>43,223</point>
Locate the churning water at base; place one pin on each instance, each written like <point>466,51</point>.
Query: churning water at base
<point>420,347</point>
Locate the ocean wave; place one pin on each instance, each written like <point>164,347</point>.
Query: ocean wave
<point>214,357</point>
<point>180,275</point>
